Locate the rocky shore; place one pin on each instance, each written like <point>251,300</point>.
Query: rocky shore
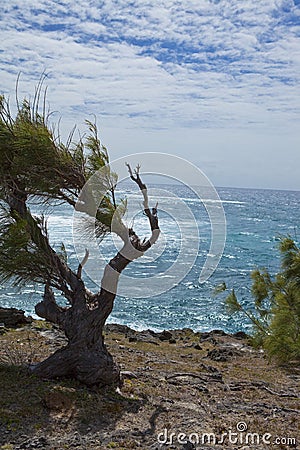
<point>181,390</point>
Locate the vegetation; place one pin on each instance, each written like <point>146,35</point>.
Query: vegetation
<point>35,166</point>
<point>179,387</point>
<point>276,309</point>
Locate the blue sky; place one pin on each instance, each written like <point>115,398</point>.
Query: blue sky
<point>213,81</point>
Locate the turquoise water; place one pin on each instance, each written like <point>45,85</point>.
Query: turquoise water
<point>255,220</point>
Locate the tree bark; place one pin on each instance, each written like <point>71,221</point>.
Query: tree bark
<point>86,357</point>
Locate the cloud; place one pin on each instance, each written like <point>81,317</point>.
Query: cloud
<point>160,65</point>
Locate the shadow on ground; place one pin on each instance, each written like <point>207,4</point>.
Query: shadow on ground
<point>32,409</point>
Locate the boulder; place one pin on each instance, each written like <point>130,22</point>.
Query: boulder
<point>222,354</point>
<point>164,335</point>
<point>117,328</point>
<point>13,318</point>
<point>240,335</point>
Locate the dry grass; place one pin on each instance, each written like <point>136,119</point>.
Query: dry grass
<point>251,390</point>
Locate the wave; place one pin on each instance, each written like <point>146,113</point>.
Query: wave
<point>253,222</point>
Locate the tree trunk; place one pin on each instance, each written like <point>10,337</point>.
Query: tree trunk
<point>85,357</point>
<point>89,365</point>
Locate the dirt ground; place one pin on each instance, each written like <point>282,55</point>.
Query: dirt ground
<point>181,390</point>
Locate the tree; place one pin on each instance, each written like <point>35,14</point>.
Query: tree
<point>35,165</point>
<point>276,310</point>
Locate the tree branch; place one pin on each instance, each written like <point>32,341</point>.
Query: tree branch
<point>48,308</point>
<point>151,214</point>
<point>64,275</point>
<point>83,262</point>
<point>138,181</point>
<point>133,247</point>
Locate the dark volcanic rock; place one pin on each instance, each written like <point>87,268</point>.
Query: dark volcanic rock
<point>197,347</point>
<point>117,328</point>
<point>222,354</point>
<point>240,335</point>
<point>164,335</point>
<point>219,332</point>
<point>37,442</point>
<point>147,336</point>
<point>12,317</point>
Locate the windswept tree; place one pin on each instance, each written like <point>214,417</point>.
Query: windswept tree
<point>36,166</point>
<point>275,311</point>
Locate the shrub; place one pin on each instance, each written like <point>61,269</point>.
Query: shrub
<point>275,313</point>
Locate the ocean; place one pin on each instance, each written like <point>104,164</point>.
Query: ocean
<point>255,220</point>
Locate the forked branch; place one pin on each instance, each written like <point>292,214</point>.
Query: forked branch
<point>132,249</point>
<point>151,214</point>
<point>136,178</point>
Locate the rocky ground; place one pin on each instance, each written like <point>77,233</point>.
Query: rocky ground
<point>181,390</point>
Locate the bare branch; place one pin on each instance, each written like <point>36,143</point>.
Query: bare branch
<point>141,185</point>
<point>83,262</point>
<point>48,308</point>
<point>151,214</point>
<point>130,171</point>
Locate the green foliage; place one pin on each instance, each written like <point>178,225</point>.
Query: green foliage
<point>24,253</point>
<point>30,157</point>
<point>232,303</point>
<point>35,165</point>
<point>98,156</point>
<point>276,309</point>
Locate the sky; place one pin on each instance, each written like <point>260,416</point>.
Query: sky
<point>216,82</point>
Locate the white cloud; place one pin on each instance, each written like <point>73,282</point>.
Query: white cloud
<point>228,65</point>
